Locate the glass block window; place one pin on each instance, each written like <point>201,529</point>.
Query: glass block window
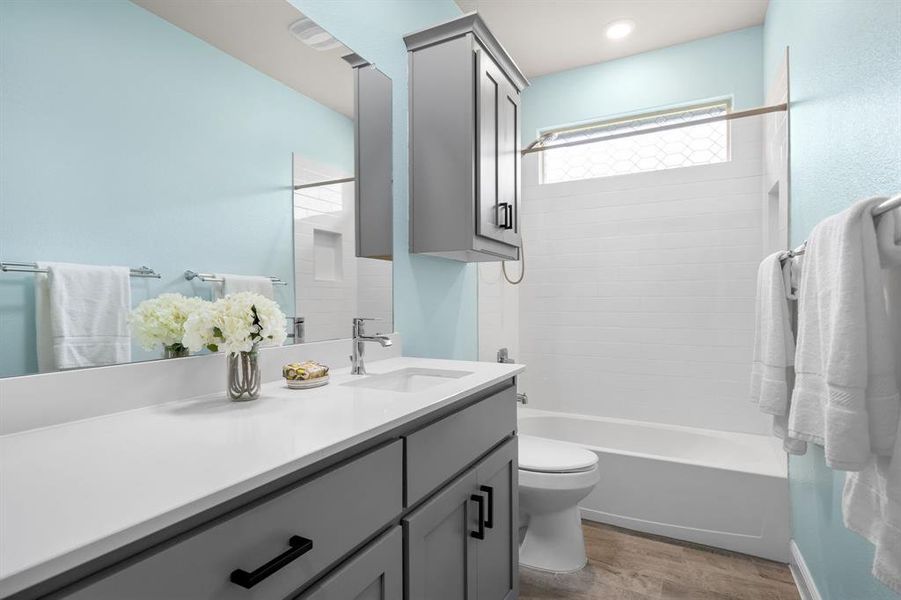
<point>687,146</point>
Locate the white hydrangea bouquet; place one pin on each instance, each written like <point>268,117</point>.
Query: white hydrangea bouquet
<point>161,321</point>
<point>239,324</point>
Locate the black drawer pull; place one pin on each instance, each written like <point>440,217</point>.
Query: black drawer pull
<point>489,523</point>
<point>299,547</point>
<point>480,534</point>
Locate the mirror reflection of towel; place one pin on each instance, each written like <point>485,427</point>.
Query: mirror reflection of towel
<point>82,316</point>
<point>233,284</point>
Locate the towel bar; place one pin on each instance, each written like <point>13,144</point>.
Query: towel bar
<point>24,267</point>
<point>213,278</point>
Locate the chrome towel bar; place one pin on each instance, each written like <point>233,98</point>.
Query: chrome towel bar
<point>26,267</point>
<point>213,278</point>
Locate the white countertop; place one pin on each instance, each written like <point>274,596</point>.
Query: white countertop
<point>72,492</point>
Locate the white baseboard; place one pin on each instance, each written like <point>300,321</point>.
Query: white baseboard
<point>807,588</point>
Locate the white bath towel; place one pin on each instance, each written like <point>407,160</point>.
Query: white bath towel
<point>888,237</point>
<point>774,344</point>
<point>772,375</point>
<point>83,311</point>
<point>233,284</point>
<point>871,504</point>
<point>845,396</point>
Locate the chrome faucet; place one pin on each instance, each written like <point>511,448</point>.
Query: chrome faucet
<point>356,359</point>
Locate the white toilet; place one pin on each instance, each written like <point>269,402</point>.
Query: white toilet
<point>553,478</point>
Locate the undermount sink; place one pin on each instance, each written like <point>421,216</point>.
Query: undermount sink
<point>411,379</point>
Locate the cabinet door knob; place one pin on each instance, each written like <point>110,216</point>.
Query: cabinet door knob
<point>480,533</point>
<point>298,547</point>
<point>489,522</point>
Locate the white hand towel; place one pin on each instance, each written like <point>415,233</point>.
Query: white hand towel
<point>871,503</point>
<point>88,307</point>
<point>233,284</point>
<point>772,374</point>
<point>774,344</point>
<point>845,396</point>
<point>43,330</point>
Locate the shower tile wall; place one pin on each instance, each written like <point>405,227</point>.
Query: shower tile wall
<point>332,285</point>
<point>638,300</point>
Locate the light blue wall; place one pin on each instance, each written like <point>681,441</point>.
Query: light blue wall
<point>435,300</point>
<point>845,144</point>
<point>715,67</point>
<point>126,140</point>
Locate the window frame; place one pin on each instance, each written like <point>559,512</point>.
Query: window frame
<point>673,111</point>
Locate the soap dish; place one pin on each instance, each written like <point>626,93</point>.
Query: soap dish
<point>305,384</point>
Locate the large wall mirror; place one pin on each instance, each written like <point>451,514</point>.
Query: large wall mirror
<point>204,146</point>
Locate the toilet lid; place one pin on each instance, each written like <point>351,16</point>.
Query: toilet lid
<point>548,456</point>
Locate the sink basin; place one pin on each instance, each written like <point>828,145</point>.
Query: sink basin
<point>412,379</point>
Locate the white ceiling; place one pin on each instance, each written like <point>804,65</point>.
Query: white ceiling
<point>545,36</point>
<point>257,33</point>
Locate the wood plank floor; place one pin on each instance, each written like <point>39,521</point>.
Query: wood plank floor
<point>626,565</point>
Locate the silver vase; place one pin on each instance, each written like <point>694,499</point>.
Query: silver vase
<point>244,378</point>
<point>175,351</point>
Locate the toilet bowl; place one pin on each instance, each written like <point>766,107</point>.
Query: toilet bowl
<point>553,478</point>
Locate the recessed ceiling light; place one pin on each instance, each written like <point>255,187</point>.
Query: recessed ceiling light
<point>617,30</point>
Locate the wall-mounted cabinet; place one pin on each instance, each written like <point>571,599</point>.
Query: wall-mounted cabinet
<point>372,160</point>
<point>464,143</point>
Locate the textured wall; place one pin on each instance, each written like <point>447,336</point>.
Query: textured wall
<point>435,306</point>
<point>845,144</point>
<point>126,140</point>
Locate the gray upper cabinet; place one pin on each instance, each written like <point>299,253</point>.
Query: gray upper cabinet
<point>372,160</point>
<point>464,143</point>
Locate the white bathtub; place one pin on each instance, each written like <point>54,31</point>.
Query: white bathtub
<point>728,490</point>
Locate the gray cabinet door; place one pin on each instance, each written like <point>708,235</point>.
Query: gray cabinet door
<point>490,94</point>
<point>374,200</point>
<point>440,551</point>
<point>509,164</point>
<point>376,573</point>
<point>497,127</point>
<point>497,556</point>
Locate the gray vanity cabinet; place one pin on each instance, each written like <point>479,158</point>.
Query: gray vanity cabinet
<point>375,574</point>
<point>428,511</point>
<point>497,556</point>
<point>461,544</point>
<point>464,143</point>
<point>441,551</point>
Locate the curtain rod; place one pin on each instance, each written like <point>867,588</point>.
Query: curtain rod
<point>739,114</point>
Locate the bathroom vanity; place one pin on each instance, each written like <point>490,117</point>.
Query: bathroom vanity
<point>382,486</point>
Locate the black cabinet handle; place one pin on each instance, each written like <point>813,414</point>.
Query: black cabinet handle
<point>299,547</point>
<point>507,210</point>
<point>480,534</point>
<point>489,523</point>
